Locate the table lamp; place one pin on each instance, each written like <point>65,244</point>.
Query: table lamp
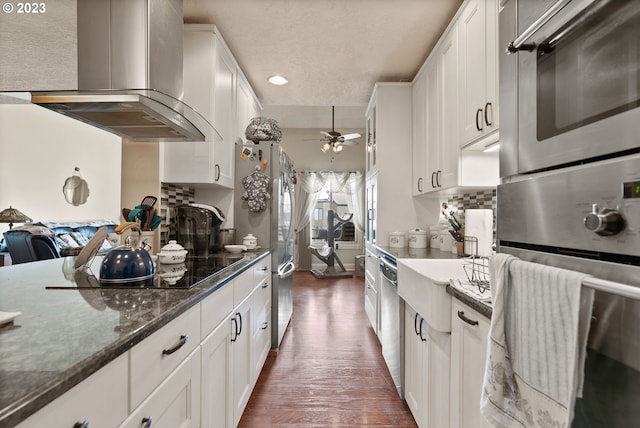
<point>11,215</point>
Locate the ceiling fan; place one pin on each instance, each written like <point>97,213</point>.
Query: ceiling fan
<point>335,140</point>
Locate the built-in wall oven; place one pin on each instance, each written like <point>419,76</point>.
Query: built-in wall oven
<point>391,326</point>
<point>578,87</point>
<point>570,165</point>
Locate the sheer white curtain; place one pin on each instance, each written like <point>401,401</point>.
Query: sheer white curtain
<point>309,185</point>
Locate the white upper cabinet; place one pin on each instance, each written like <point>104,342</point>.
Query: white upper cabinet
<point>247,107</point>
<point>478,71</point>
<point>419,137</point>
<point>215,87</point>
<point>440,95</point>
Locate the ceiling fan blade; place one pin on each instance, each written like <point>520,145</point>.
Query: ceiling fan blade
<point>325,133</point>
<point>349,143</point>
<point>351,136</point>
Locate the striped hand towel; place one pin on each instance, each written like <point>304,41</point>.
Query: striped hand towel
<point>537,344</point>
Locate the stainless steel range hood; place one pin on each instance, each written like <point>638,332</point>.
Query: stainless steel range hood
<point>130,72</point>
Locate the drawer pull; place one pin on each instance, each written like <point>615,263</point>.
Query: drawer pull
<point>264,268</point>
<point>147,422</point>
<point>424,339</point>
<point>83,424</point>
<point>265,284</point>
<point>264,325</point>
<point>469,321</point>
<point>183,341</point>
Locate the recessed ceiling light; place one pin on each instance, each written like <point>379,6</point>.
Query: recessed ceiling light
<point>277,80</point>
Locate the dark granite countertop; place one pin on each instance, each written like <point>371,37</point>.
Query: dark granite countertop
<point>66,333</point>
<point>483,308</point>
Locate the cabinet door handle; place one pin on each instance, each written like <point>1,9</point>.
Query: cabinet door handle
<point>183,340</point>
<point>420,185</point>
<point>438,178</point>
<point>415,324</point>
<point>264,325</point>
<point>479,119</point>
<point>433,176</point>
<point>235,329</point>
<point>265,284</point>
<point>240,329</point>
<point>217,169</point>
<point>487,107</point>
<point>147,422</point>
<point>424,339</point>
<point>83,424</point>
<point>464,318</point>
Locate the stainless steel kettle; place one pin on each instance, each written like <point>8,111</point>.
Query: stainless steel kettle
<point>128,265</point>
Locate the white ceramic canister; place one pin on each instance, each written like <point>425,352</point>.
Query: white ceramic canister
<point>418,238</point>
<point>446,240</point>
<point>434,235</point>
<point>397,239</point>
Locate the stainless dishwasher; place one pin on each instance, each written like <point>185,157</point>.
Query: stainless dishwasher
<point>391,332</point>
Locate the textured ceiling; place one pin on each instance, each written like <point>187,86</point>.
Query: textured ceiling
<point>332,51</point>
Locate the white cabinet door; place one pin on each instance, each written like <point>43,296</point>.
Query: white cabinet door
<point>419,137</point>
<point>217,408</point>
<point>414,374</point>
<point>210,74</point>
<point>175,403</point>
<point>448,87</point>
<point>224,94</point>
<point>432,124</point>
<point>86,401</point>
<point>247,107</point>
<point>478,69</point>
<point>372,147</point>
<point>261,327</point>
<point>241,367</point>
<point>469,333</point>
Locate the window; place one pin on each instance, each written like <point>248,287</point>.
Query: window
<point>344,231</point>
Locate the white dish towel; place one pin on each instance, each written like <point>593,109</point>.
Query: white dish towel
<point>537,344</point>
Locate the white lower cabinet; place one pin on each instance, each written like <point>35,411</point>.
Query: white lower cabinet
<point>85,403</point>
<point>197,371</point>
<point>175,403</point>
<point>427,367</point>
<point>469,333</point>
<point>241,358</point>
<point>371,288</point>
<point>217,410</point>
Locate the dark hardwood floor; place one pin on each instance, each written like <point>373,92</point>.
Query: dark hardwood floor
<point>329,369</point>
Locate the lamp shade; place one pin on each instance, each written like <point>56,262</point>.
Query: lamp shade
<point>11,215</point>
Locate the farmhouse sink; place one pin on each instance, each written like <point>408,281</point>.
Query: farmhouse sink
<point>422,284</point>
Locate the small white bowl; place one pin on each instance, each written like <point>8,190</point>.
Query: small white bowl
<point>235,249</point>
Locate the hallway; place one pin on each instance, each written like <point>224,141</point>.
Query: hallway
<point>329,369</point>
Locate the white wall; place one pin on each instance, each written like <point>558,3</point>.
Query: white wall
<point>38,152</point>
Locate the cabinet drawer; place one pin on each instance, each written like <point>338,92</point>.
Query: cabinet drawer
<point>175,403</point>
<point>262,270</point>
<point>242,286</point>
<point>216,308</point>
<point>86,401</point>
<point>154,358</point>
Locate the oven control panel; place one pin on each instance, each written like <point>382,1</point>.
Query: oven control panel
<point>593,207</point>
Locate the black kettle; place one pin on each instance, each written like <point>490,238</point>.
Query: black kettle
<point>129,265</point>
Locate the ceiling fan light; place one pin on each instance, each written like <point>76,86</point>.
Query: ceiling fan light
<point>337,148</point>
<point>277,80</point>
<point>325,147</point>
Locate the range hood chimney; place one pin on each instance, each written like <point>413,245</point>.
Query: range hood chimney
<point>130,72</point>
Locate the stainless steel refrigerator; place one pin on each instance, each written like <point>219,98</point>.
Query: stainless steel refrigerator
<point>272,226</point>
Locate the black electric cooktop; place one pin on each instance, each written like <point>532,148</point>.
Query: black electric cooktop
<point>185,275</point>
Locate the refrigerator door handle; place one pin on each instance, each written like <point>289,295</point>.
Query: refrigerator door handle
<point>287,270</point>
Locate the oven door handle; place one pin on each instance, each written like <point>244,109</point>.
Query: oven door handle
<point>519,43</point>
